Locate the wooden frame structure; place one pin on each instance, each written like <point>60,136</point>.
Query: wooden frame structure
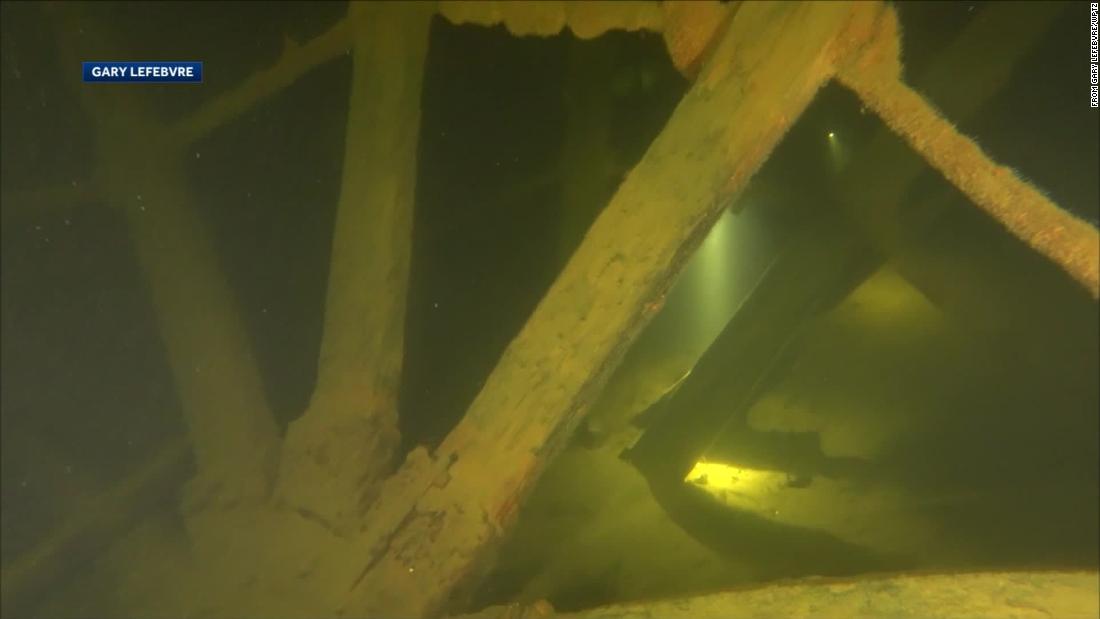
<point>401,543</point>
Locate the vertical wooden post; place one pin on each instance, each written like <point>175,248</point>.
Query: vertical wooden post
<point>344,444</point>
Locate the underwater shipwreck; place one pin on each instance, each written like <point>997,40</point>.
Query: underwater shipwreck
<point>809,351</point>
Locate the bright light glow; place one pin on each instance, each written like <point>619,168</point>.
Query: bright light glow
<point>720,275</point>
<point>718,476</point>
<point>838,155</point>
<point>714,278</point>
<point>877,516</point>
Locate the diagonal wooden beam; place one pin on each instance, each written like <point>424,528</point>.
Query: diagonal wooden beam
<point>439,515</point>
<point>295,61</point>
<point>1019,206</point>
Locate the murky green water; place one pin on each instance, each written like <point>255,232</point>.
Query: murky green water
<point>813,398</point>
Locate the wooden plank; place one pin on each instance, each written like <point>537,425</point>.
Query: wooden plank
<point>1067,595</point>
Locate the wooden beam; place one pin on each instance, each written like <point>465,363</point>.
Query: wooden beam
<point>1065,239</point>
<point>586,19</point>
<point>352,416</point>
<point>973,274</point>
<point>1068,595</point>
<point>295,61</point>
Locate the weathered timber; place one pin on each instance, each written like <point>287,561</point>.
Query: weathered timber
<point>586,20</point>
<point>767,67</point>
<point>295,61</point>
<point>337,452</point>
<point>1067,595</point>
<point>691,29</point>
<point>971,273</point>
<point>997,190</point>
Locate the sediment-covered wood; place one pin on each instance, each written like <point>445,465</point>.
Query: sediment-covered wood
<point>1067,595</point>
<point>974,273</point>
<point>586,20</point>
<point>1055,233</point>
<point>335,454</point>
